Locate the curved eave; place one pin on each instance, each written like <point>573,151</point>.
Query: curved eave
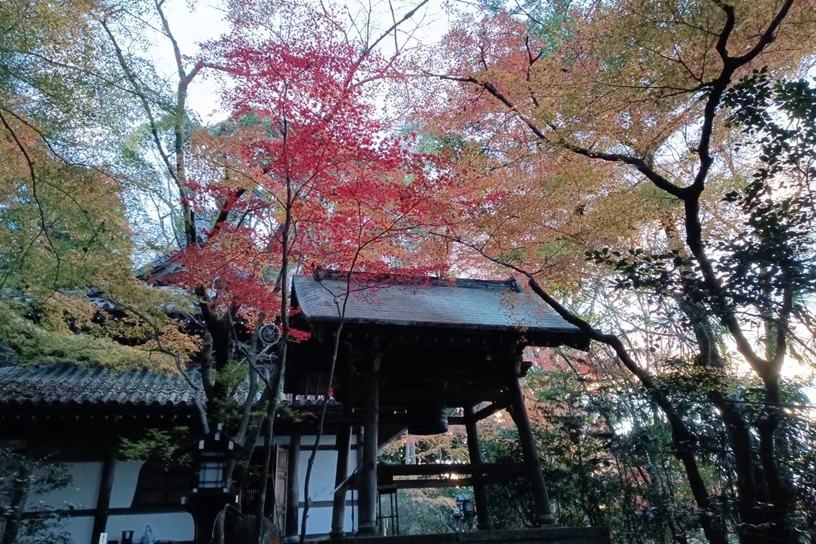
<point>530,336</point>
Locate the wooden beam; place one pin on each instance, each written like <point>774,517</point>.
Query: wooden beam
<point>433,483</point>
<point>426,483</point>
<point>542,508</point>
<point>485,412</point>
<point>352,479</point>
<point>475,454</point>
<point>500,469</point>
<point>402,397</point>
<point>104,495</point>
<point>489,410</point>
<point>292,488</point>
<point>368,474</point>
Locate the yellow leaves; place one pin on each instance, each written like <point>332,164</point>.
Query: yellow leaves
<point>27,342</point>
<point>623,67</point>
<point>624,78</point>
<point>60,313</point>
<point>46,23</point>
<point>63,226</point>
<point>173,340</point>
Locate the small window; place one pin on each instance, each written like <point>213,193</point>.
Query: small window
<point>211,474</point>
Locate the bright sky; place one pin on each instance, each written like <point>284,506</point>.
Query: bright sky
<point>207,21</point>
<point>191,27</point>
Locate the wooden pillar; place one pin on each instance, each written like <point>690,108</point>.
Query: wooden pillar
<point>343,442</point>
<point>542,508</point>
<point>368,473</point>
<point>479,491</point>
<point>104,495</point>
<point>292,488</point>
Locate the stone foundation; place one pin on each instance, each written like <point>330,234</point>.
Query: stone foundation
<point>550,535</point>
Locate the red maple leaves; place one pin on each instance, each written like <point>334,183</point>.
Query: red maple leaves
<point>304,170</point>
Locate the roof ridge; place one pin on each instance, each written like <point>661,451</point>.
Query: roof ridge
<point>395,278</point>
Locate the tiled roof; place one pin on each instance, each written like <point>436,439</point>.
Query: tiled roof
<point>461,303</point>
<point>70,385</point>
<point>75,386</point>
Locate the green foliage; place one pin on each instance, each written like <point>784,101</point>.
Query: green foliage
<point>609,459</point>
<point>424,511</point>
<point>46,474</point>
<point>158,446</point>
<point>61,226</point>
<point>572,436</point>
<point>22,475</point>
<point>775,248</point>
<point>77,337</point>
<point>232,376</point>
<point>63,219</point>
<point>47,527</point>
<point>637,268</point>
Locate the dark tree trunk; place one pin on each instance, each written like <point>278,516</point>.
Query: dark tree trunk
<point>19,494</point>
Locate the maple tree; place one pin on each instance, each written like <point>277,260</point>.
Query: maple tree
<point>302,175</point>
<point>65,240</point>
<point>313,174</point>
<point>617,128</point>
<point>54,209</point>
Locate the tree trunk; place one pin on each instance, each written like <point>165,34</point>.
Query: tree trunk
<point>780,489</point>
<point>19,494</point>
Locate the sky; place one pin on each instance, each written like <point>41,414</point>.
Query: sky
<point>191,27</point>
<point>195,22</point>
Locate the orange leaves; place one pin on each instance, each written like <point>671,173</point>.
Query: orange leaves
<point>613,73</point>
<point>515,97</point>
<point>304,172</point>
<point>61,226</point>
<point>232,270</point>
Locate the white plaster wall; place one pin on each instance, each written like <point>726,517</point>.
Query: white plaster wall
<point>167,526</point>
<point>81,493</point>
<point>80,529</point>
<point>307,440</point>
<point>125,477</point>
<point>321,485</point>
<point>319,522</point>
<point>86,476</point>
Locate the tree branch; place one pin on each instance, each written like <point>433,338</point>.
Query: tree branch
<point>43,227</point>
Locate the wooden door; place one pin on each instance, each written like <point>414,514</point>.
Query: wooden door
<point>281,480</point>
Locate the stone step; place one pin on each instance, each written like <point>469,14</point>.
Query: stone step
<point>549,535</point>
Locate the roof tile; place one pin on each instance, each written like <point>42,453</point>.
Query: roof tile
<point>69,384</point>
<point>481,304</point>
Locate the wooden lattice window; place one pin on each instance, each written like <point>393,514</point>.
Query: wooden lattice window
<point>162,486</point>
